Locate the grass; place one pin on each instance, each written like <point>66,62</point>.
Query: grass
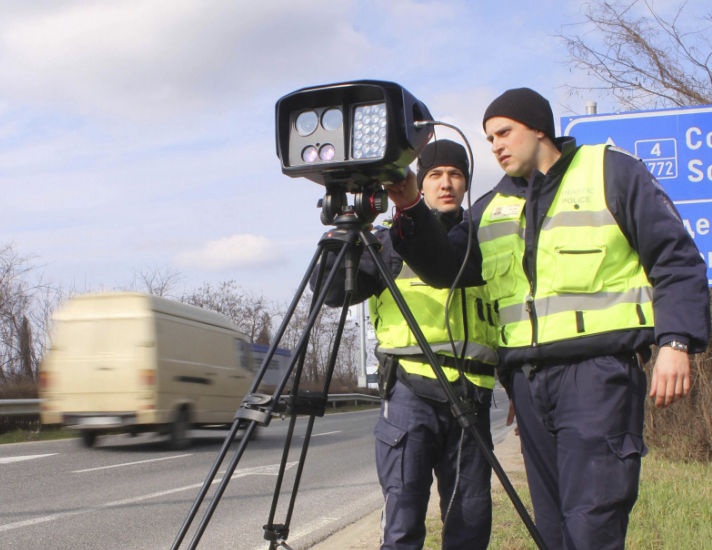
<point>44,434</point>
<point>673,511</point>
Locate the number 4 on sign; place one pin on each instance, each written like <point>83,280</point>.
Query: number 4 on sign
<point>656,150</point>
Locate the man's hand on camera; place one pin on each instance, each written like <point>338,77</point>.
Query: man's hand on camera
<point>671,377</point>
<point>404,193</point>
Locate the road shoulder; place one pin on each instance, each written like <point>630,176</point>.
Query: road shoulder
<point>364,534</point>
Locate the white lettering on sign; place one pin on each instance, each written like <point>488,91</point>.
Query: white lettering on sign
<point>687,225</point>
<point>701,226</point>
<point>698,174</point>
<point>688,138</point>
<point>698,171</point>
<point>656,150</point>
<point>661,169</point>
<point>693,138</point>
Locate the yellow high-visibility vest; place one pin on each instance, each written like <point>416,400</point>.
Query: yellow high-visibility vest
<point>478,329</point>
<point>588,280</point>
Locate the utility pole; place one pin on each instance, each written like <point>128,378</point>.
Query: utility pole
<point>362,383</point>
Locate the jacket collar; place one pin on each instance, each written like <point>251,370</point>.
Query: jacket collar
<point>448,221</point>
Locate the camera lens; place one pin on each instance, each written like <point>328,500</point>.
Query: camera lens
<point>331,119</point>
<point>327,152</point>
<point>309,154</point>
<point>306,123</point>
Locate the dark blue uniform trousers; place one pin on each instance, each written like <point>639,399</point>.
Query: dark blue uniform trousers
<point>413,438</point>
<point>581,429</point>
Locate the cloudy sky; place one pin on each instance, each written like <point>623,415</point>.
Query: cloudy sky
<point>140,133</point>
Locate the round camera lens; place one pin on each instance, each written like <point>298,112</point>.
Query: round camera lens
<point>306,123</point>
<point>327,152</point>
<point>331,119</point>
<point>309,154</point>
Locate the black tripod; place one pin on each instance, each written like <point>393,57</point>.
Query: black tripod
<point>347,241</point>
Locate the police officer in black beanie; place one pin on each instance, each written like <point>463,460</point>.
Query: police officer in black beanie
<point>589,265</point>
<point>416,433</point>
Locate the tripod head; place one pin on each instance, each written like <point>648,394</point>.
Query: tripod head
<point>370,200</point>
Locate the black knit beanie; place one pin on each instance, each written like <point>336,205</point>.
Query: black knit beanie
<point>526,106</point>
<point>442,152</point>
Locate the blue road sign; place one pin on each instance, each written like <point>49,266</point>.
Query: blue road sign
<point>676,146</point>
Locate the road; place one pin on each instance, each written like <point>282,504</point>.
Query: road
<point>131,492</point>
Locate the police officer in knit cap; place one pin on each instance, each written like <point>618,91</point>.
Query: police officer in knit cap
<point>589,264</point>
<point>416,433</point>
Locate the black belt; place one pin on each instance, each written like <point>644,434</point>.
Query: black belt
<point>470,366</point>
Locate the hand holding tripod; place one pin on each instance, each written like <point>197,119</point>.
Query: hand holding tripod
<point>347,241</point>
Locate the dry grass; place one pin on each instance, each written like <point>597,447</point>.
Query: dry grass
<point>674,510</point>
<point>683,431</point>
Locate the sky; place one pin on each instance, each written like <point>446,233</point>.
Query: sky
<point>140,134</point>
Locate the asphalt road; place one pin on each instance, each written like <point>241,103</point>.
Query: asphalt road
<point>131,493</point>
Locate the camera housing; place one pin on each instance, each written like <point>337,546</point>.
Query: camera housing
<point>350,134</point>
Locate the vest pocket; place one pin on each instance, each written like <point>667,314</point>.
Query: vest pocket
<point>498,272</point>
<point>576,268</point>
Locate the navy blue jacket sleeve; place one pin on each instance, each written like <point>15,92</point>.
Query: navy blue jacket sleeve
<point>436,256</point>
<point>675,269</point>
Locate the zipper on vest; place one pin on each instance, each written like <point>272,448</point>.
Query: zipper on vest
<point>530,304</point>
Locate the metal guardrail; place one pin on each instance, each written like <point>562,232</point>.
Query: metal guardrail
<point>355,397</point>
<point>15,407</point>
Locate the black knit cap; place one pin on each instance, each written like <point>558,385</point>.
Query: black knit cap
<point>526,106</point>
<point>442,152</point>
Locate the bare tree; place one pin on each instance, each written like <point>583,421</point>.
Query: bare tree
<point>265,337</point>
<point>251,313</point>
<point>158,281</point>
<point>321,343</point>
<point>26,306</point>
<point>642,61</point>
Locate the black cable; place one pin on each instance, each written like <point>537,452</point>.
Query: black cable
<point>458,360</point>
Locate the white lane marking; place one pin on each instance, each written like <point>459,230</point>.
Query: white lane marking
<point>11,459</point>
<point>129,463</point>
<point>259,470</point>
<point>271,470</point>
<point>325,433</point>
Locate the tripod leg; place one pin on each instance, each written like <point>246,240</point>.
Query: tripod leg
<point>236,424</point>
<point>327,383</point>
<point>293,417</point>
<point>466,417</point>
<point>303,340</point>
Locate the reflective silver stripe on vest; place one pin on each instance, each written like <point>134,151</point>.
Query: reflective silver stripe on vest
<point>575,302</point>
<point>579,219</point>
<point>496,230</point>
<point>474,351</point>
<point>407,273</point>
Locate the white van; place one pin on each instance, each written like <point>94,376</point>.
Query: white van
<point>132,362</point>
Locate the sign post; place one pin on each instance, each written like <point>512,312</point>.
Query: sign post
<point>676,146</point>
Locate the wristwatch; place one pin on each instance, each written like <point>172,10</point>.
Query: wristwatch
<point>674,344</point>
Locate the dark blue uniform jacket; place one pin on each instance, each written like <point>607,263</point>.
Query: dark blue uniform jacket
<point>645,215</point>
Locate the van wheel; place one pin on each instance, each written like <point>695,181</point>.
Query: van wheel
<point>88,438</point>
<point>178,435</point>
